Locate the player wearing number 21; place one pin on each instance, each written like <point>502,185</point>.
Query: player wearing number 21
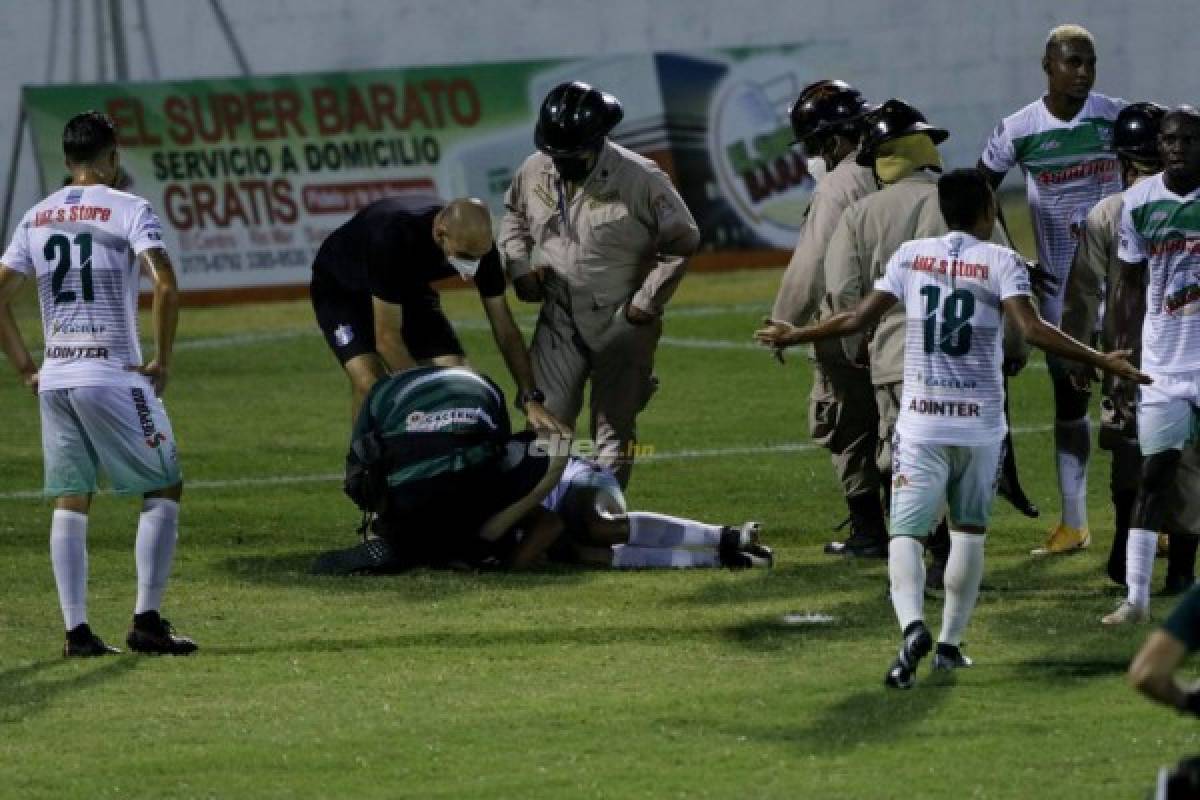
<point>85,246</point>
<point>956,290</point>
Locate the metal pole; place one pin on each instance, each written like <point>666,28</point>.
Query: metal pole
<point>147,39</point>
<point>52,45</point>
<point>227,29</point>
<point>117,27</point>
<point>76,14</point>
<point>101,62</point>
<point>11,184</point>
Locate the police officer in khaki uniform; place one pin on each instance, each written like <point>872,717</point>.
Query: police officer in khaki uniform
<point>901,147</point>
<point>827,121</point>
<point>612,236</point>
<point>1093,279</point>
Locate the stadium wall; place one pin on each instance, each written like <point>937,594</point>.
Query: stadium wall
<point>965,63</point>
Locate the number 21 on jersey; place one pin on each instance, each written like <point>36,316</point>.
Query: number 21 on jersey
<point>58,248</point>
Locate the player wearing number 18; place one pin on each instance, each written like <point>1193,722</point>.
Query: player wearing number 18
<point>956,290</point>
<point>85,246</point>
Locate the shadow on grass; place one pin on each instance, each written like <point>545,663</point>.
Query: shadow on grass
<point>865,717</point>
<point>291,570</point>
<point>30,688</point>
<point>476,639</point>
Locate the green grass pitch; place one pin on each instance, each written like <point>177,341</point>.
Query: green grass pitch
<point>562,683</point>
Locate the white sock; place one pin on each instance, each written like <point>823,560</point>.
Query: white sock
<point>68,556</point>
<point>1073,446</point>
<point>906,568</point>
<point>647,529</point>
<point>1139,565</point>
<point>964,573</point>
<point>630,557</point>
<point>158,528</point>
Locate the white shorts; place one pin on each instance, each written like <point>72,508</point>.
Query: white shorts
<point>924,476</point>
<point>122,429</point>
<point>1168,412</point>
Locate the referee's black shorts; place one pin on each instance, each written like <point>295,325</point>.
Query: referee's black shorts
<point>347,320</point>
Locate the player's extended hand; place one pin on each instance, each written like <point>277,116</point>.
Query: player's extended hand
<point>543,422</point>
<point>1118,363</point>
<point>156,372</point>
<point>776,334</point>
<point>31,379</point>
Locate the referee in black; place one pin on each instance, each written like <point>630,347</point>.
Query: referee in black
<point>375,303</point>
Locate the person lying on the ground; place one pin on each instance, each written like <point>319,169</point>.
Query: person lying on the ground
<point>433,459</point>
<point>599,530</point>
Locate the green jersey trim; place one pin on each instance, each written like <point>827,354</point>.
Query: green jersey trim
<point>1091,137</point>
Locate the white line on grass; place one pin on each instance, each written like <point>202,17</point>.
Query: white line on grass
<point>670,455</point>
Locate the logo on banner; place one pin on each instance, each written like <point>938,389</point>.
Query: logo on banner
<point>761,174</point>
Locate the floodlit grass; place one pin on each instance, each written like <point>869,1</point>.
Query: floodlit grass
<point>562,683</point>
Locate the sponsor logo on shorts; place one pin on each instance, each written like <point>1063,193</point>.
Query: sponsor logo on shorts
<point>153,436</point>
<point>343,335</point>
<point>900,481</point>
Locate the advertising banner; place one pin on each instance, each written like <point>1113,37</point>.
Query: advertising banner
<point>250,174</point>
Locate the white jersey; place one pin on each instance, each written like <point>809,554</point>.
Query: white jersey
<point>578,470</point>
<point>1068,166</point>
<point>951,287</point>
<point>1162,228</point>
<point>82,244</point>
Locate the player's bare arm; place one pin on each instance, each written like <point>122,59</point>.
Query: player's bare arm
<point>1153,670</point>
<point>512,346</point>
<point>156,265</point>
<point>1049,338</point>
<point>1129,309</point>
<point>10,335</point>
<point>542,529</point>
<point>780,334</point>
<point>503,521</point>
<point>388,342</point>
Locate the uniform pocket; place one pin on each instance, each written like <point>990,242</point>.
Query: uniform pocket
<point>610,224</point>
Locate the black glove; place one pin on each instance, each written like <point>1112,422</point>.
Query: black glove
<point>1045,283</point>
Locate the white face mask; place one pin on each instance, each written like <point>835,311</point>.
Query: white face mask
<point>465,266</point>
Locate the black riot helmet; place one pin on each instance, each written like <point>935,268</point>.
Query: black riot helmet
<point>575,117</point>
<point>894,119</point>
<point>825,108</point>
<point>1135,132</point>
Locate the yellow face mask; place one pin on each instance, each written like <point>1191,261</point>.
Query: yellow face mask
<point>901,157</point>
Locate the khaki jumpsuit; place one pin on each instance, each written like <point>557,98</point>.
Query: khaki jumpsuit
<point>621,237</point>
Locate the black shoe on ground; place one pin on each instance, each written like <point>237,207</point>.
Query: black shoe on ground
<point>902,674</point>
<point>82,643</point>
<point>153,634</point>
<point>373,556</point>
<point>1177,584</point>
<point>859,546</point>
<point>755,555</point>
<point>949,657</point>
